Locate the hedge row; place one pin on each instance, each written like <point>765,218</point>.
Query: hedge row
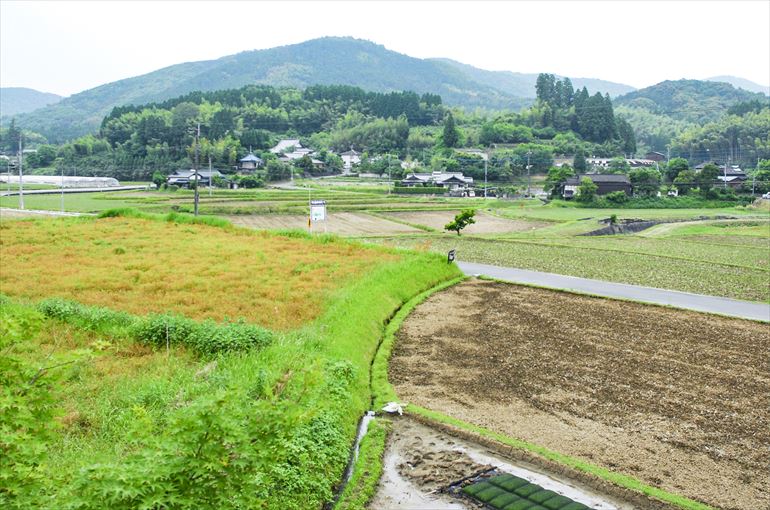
<point>159,330</point>
<point>419,190</point>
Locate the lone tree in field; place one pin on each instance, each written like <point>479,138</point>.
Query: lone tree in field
<point>461,221</point>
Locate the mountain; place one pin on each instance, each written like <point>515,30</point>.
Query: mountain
<point>329,60</point>
<point>523,84</point>
<point>690,100</point>
<point>16,100</point>
<point>742,83</point>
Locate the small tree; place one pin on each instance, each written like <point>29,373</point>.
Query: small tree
<point>557,176</point>
<point>706,177</point>
<point>675,166</point>
<point>158,178</point>
<point>461,221</point>
<point>450,135</point>
<point>646,181</point>
<point>684,181</point>
<point>579,162</point>
<point>586,190</point>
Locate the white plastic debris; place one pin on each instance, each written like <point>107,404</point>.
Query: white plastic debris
<point>394,407</point>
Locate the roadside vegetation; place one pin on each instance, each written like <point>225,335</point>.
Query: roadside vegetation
<point>126,412</point>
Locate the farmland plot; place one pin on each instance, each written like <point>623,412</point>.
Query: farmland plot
<point>336,223</point>
<point>485,223</point>
<point>676,399</point>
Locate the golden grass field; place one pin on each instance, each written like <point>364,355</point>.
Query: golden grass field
<point>143,266</point>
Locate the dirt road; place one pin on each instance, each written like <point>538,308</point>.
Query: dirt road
<point>677,399</point>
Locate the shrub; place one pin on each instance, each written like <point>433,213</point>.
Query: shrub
<point>617,197</point>
<point>206,337</point>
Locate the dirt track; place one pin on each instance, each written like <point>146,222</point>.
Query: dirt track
<point>677,399</point>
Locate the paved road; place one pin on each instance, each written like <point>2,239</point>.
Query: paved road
<point>698,302</point>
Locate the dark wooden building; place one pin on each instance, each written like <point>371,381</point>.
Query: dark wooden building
<point>605,183</point>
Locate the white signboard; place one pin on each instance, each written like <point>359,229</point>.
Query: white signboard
<point>317,210</point>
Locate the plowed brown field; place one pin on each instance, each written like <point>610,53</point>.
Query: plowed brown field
<point>679,400</point>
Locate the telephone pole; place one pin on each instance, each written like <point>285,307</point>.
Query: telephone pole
<point>529,177</point>
<point>486,158</point>
<point>21,174</point>
<point>196,175</point>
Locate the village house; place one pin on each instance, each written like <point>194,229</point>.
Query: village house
<point>605,183</point>
<point>350,158</point>
<point>184,177</point>
<point>449,180</point>
<point>733,175</point>
<point>655,156</point>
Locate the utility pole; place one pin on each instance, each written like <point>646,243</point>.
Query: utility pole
<point>21,174</point>
<point>754,177</point>
<point>195,169</point>
<point>62,188</point>
<point>211,177</point>
<point>529,178</point>
<point>725,171</point>
<point>485,173</point>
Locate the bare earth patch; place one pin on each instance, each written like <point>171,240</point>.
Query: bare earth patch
<point>485,223</point>
<point>337,223</point>
<point>676,399</point>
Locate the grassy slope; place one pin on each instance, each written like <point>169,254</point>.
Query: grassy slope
<point>317,375</point>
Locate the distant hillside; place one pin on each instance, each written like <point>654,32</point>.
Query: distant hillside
<point>329,60</point>
<point>742,83</point>
<point>523,84</point>
<point>690,100</point>
<point>16,100</point>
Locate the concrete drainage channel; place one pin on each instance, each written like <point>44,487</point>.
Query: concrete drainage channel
<point>426,468</point>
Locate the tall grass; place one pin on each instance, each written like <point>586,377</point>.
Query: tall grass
<point>289,407</point>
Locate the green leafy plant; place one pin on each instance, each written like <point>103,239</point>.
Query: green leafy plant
<point>461,220</point>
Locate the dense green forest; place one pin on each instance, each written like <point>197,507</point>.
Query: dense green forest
<point>689,100</point>
<point>135,141</point>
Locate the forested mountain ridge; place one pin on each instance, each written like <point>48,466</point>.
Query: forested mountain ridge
<point>689,100</point>
<point>523,84</point>
<point>741,83</point>
<point>16,100</point>
<point>325,61</point>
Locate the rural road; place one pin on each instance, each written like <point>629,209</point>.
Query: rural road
<point>677,299</point>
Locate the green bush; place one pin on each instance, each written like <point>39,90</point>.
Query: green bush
<point>86,317</point>
<point>206,337</point>
<point>617,197</point>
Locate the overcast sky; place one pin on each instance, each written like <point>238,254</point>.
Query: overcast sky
<point>66,47</point>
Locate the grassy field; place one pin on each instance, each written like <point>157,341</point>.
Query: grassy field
<point>199,271</point>
<point>129,417</point>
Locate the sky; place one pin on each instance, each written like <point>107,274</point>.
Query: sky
<point>66,47</point>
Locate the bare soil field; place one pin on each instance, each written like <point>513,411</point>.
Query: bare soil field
<point>485,223</point>
<point>336,223</point>
<point>676,399</point>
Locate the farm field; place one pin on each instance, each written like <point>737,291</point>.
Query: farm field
<point>713,269</point>
<point>181,356</point>
<point>194,270</point>
<point>345,224</point>
<point>485,223</point>
<point>673,398</point>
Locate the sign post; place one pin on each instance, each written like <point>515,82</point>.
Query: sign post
<point>317,212</point>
